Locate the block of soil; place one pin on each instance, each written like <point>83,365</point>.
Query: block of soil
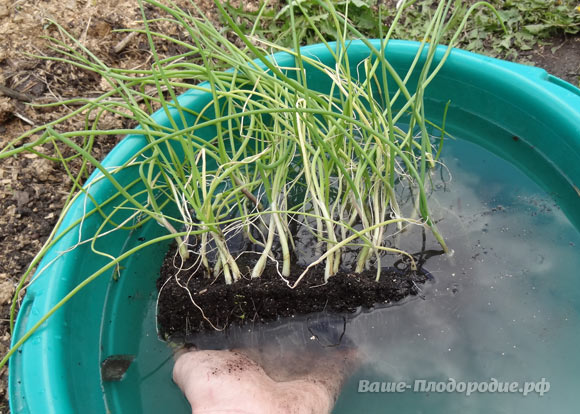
<point>192,302</point>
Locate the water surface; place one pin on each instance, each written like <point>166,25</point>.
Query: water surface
<point>505,305</point>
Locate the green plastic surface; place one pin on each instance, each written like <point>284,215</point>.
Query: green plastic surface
<point>59,369</point>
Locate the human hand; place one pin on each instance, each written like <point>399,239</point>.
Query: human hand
<point>232,382</point>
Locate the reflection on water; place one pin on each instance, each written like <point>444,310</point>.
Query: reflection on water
<point>506,305</point>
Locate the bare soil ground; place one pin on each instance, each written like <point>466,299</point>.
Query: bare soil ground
<point>32,190</point>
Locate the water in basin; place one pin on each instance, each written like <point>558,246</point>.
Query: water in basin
<point>505,305</point>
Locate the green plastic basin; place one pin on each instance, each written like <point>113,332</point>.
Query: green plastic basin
<point>59,369</point>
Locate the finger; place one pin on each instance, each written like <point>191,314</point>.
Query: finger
<point>177,352</point>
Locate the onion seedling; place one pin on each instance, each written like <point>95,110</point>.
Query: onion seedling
<point>267,149</point>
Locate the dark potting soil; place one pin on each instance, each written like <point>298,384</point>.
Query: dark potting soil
<point>185,295</point>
